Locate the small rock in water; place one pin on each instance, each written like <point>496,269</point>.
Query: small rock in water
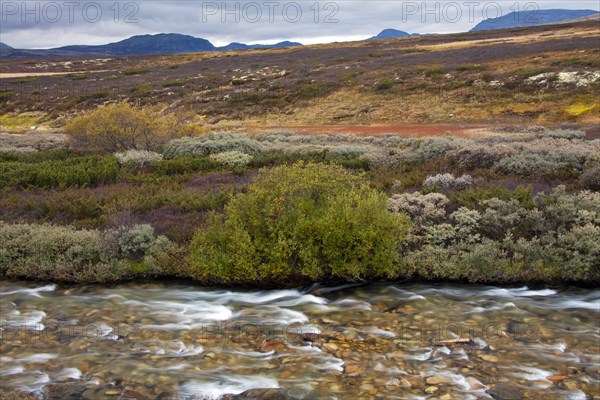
<point>474,384</point>
<point>259,394</point>
<point>353,369</point>
<point>437,380</point>
<point>570,385</point>
<point>431,389</point>
<point>129,393</point>
<point>395,354</point>
<point>489,358</point>
<point>63,391</point>
<point>273,344</point>
<point>405,383</point>
<point>505,392</point>
<point>557,378</point>
<point>393,382</point>
<point>330,348</point>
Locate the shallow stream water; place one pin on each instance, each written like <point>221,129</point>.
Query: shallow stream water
<point>403,341</point>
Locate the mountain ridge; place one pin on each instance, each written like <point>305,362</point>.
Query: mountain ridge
<point>161,43</point>
<point>531,18</point>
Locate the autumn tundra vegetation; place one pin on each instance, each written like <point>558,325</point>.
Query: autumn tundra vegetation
<point>138,192</point>
<point>249,168</point>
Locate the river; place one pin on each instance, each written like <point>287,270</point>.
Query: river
<point>392,341</point>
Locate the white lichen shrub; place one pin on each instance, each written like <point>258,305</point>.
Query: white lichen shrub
<point>473,155</point>
<point>212,143</point>
<point>232,159</point>
<point>63,253</point>
<point>426,208</point>
<point>421,150</point>
<point>138,157</point>
<point>448,182</point>
<point>50,252</point>
<point>352,151</point>
<point>590,178</point>
<point>564,134</point>
<point>528,163</point>
<point>135,241</point>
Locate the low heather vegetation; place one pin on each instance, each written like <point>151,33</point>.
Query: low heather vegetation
<point>282,209</point>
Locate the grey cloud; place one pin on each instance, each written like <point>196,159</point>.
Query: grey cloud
<point>356,19</point>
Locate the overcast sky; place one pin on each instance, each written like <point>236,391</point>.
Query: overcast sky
<point>45,24</point>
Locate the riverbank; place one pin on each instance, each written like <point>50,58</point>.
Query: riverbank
<point>217,209</point>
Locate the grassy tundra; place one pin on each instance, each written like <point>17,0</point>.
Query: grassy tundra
<point>153,177</point>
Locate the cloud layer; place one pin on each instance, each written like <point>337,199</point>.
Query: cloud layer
<point>45,24</point>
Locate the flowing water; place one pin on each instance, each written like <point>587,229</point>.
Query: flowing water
<point>379,341</point>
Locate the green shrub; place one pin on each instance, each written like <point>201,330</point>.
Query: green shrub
<point>37,156</point>
<point>296,223</point>
<point>185,165</point>
<point>272,158</point>
<point>384,84</point>
<point>136,71</point>
<point>6,95</point>
<point>71,172</point>
<point>472,197</point>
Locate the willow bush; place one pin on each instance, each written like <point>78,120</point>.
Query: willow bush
<point>301,222</point>
<point>121,126</point>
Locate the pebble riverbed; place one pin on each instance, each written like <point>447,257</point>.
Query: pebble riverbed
<point>381,341</point>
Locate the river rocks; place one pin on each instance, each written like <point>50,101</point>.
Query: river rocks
<point>330,348</point>
<point>63,391</point>
<point>474,383</point>
<point>489,358</point>
<point>132,394</point>
<point>258,394</point>
<point>350,360</point>
<point>353,369</point>
<point>505,392</point>
<point>395,355</point>
<point>277,345</point>
<point>431,389</point>
<point>557,378</point>
<point>437,380</point>
<point>570,385</point>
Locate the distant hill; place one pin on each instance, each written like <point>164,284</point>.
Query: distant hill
<point>531,18</point>
<point>392,34</point>
<point>5,46</point>
<point>242,46</point>
<point>162,43</point>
